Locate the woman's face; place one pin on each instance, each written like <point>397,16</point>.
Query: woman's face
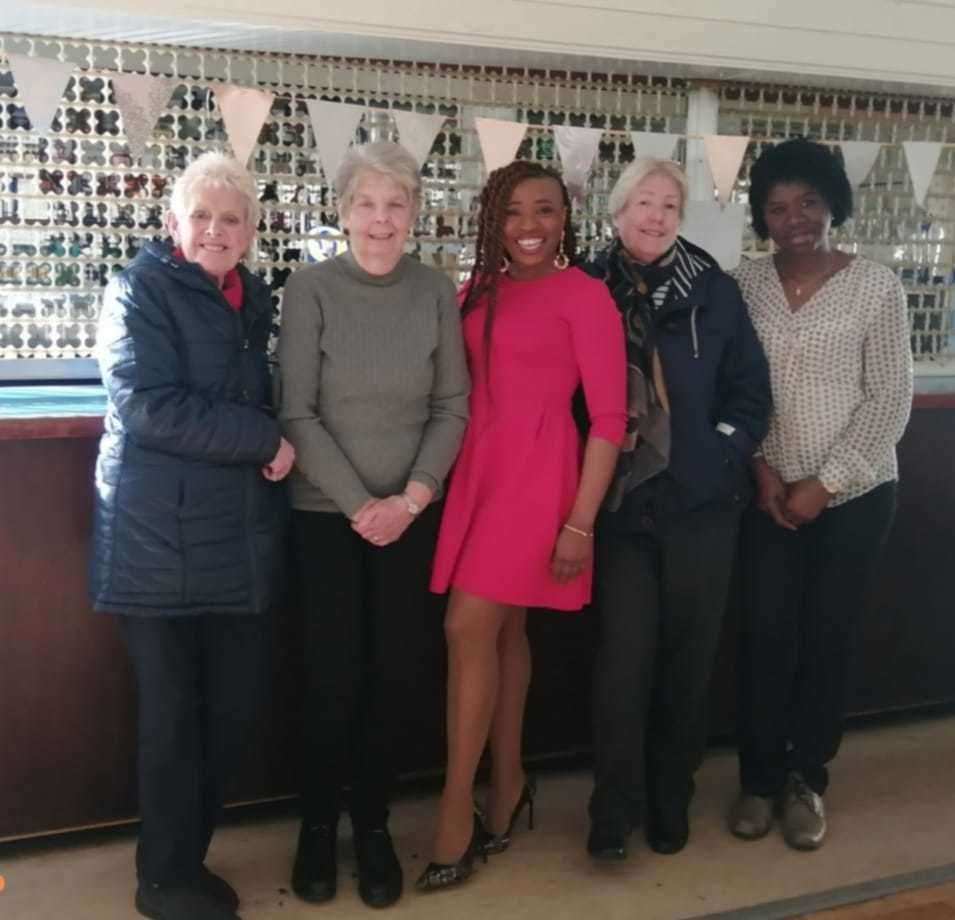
<point>797,217</point>
<point>650,220</point>
<point>378,221</point>
<point>533,227</point>
<point>215,230</point>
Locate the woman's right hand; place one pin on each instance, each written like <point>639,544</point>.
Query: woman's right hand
<point>771,493</point>
<point>281,464</point>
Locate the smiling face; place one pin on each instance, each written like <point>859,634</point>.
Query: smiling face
<point>533,227</point>
<point>215,230</point>
<point>797,217</point>
<point>378,220</point>
<point>650,220</point>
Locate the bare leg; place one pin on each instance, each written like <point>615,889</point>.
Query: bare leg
<point>514,676</point>
<point>472,626</point>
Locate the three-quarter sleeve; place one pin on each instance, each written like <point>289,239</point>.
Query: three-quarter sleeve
<point>139,350</point>
<point>598,339</point>
<point>317,455</point>
<point>449,397</point>
<point>877,423</point>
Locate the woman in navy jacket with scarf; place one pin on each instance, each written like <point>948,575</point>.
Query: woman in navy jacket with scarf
<point>699,402</point>
<point>188,519</point>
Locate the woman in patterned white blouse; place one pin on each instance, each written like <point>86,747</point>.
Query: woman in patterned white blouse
<point>835,331</point>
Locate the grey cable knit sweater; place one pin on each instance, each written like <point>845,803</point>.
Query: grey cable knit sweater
<point>374,381</point>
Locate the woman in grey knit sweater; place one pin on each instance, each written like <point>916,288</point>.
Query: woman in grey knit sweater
<point>374,400</point>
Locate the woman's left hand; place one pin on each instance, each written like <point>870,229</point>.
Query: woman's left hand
<point>384,521</point>
<point>572,554</point>
<point>806,500</point>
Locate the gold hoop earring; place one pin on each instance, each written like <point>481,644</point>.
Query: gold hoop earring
<point>560,260</point>
<point>505,265</point>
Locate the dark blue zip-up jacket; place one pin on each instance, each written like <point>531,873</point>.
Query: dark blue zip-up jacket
<point>184,521</point>
<point>716,374</point>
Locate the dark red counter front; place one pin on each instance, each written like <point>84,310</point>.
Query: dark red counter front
<point>66,697</point>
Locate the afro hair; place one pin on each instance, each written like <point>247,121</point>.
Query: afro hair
<point>799,160</point>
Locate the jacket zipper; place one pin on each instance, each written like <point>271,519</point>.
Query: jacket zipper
<point>693,333</point>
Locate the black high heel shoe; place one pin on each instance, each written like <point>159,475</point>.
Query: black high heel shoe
<point>445,875</point>
<point>492,844</point>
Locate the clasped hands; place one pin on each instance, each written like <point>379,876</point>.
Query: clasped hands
<point>789,505</point>
<point>381,521</point>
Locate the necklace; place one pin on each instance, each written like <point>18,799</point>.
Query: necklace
<point>797,285</point>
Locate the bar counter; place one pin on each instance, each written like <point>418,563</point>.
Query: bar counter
<point>66,693</point>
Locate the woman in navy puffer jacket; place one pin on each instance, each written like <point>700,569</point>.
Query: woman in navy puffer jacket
<point>189,516</point>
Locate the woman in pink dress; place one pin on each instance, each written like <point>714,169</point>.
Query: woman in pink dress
<point>518,523</point>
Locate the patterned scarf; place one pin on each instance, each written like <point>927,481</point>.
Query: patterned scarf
<point>640,291</point>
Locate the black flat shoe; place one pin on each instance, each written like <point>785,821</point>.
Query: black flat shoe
<point>179,903</point>
<point>437,876</point>
<point>607,843</point>
<point>491,844</point>
<point>218,889</point>
<point>315,874</point>
<point>380,879</point>
<point>668,835</point>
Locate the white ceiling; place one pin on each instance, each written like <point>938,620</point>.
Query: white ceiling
<point>46,19</point>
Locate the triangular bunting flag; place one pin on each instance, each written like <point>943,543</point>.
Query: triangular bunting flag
<point>653,144</point>
<point>416,132</point>
<point>725,153</point>
<point>577,148</point>
<point>243,112</point>
<point>140,98</point>
<point>40,85</point>
<point>499,140</point>
<point>922,158</point>
<point>717,229</point>
<point>334,125</point>
<point>858,158</point>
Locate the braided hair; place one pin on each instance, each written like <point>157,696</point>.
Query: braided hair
<point>490,253</point>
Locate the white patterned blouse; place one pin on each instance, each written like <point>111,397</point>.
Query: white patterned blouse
<point>841,371</point>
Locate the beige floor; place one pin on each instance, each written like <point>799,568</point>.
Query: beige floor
<point>891,806</point>
<point>936,903</point>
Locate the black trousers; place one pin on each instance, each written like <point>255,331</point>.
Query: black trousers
<point>661,600</point>
<point>202,683</point>
<point>369,621</point>
<point>803,595</point>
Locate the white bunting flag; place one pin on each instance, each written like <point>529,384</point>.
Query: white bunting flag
<point>922,158</point>
<point>724,153</point>
<point>40,84</point>
<point>334,125</point>
<point>140,98</point>
<point>716,228</point>
<point>416,132</point>
<point>653,144</point>
<point>577,148</point>
<point>859,158</point>
<point>499,140</point>
<point>243,112</point>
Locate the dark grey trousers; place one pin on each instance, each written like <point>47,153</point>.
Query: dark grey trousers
<point>803,595</point>
<point>202,684</point>
<point>661,600</point>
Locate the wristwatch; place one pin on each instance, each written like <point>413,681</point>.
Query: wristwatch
<point>414,509</point>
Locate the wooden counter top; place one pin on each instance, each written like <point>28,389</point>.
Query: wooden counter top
<point>46,412</point>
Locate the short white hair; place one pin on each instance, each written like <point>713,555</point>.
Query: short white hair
<point>385,158</point>
<point>219,171</point>
<point>640,169</point>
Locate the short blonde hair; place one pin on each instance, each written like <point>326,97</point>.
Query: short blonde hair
<point>640,169</point>
<point>220,171</point>
<point>386,159</point>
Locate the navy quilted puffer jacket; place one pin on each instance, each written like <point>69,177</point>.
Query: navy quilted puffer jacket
<point>185,523</point>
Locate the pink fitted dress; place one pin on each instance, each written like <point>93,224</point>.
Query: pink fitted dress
<point>517,474</point>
